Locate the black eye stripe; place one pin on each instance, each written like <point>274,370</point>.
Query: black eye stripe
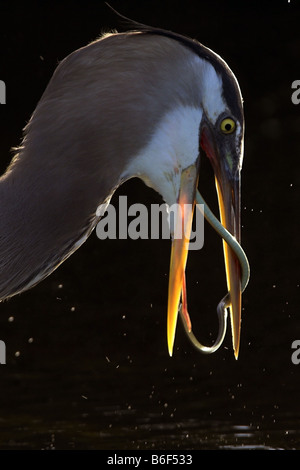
<point>231,91</point>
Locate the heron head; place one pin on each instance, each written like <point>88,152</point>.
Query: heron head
<point>221,133</point>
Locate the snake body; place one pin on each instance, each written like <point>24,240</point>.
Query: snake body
<point>225,302</point>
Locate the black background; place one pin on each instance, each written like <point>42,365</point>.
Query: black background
<point>93,370</point>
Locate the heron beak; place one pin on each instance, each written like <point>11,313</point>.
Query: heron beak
<point>227,180</point>
<point>229,204</point>
<point>180,246</point>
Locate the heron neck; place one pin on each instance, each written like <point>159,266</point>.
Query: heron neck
<point>39,229</point>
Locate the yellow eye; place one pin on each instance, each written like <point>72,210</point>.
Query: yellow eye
<point>227,126</point>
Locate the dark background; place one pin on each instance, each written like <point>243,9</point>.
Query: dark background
<point>92,369</point>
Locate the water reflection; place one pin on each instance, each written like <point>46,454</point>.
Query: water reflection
<point>125,430</point>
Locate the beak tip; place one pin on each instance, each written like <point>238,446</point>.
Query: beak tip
<point>170,341</point>
<point>236,342</point>
<point>170,338</point>
<point>236,339</point>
